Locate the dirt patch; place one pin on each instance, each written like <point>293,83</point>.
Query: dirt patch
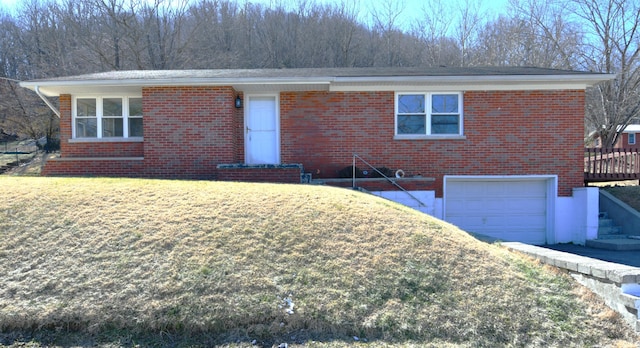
<point>29,167</point>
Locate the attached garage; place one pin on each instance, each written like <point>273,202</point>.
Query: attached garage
<point>509,208</point>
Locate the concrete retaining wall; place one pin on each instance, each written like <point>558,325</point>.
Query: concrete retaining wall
<point>621,213</point>
<point>618,285</point>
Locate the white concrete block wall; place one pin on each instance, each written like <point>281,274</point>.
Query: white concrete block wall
<point>565,219</point>
<point>427,198</point>
<point>576,217</point>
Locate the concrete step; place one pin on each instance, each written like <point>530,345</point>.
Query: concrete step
<point>626,244</point>
<point>612,236</point>
<point>609,230</point>
<point>605,223</point>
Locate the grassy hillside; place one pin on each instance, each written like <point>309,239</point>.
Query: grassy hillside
<point>123,262</point>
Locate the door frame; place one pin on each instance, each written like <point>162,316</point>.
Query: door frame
<point>551,186</point>
<point>247,112</point>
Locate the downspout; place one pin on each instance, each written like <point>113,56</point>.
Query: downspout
<point>46,101</point>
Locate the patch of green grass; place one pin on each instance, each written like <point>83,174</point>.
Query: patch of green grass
<point>113,262</point>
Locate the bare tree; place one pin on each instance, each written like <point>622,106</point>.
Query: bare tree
<point>433,30</point>
<point>163,27</point>
<point>24,113</point>
<point>613,46</point>
<point>469,22</point>
<point>386,22</point>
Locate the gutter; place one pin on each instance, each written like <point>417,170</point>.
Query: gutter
<point>46,101</point>
<point>588,79</point>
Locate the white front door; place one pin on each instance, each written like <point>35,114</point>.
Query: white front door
<point>262,141</point>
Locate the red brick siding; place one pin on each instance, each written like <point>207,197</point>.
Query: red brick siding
<point>65,124</point>
<point>239,133</point>
<point>507,133</point>
<point>623,142</point>
<point>124,168</point>
<point>188,130</point>
<point>90,149</point>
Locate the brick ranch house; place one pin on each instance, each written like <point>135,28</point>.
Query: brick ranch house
<point>628,139</point>
<point>497,151</point>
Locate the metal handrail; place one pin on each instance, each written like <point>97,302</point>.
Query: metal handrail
<point>384,176</point>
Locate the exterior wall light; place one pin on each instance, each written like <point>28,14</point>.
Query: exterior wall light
<point>238,102</point>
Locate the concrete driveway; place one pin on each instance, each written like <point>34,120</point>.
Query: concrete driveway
<point>629,258</point>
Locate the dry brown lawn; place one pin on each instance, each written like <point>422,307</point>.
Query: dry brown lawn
<point>124,262</point>
<point>629,194</point>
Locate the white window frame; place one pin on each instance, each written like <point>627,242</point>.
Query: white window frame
<point>99,117</point>
<point>428,108</point>
<point>631,135</point>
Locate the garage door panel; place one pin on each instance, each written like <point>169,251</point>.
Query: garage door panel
<point>527,222</point>
<point>506,209</point>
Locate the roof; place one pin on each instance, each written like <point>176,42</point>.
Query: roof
<point>335,79</point>
<point>632,128</point>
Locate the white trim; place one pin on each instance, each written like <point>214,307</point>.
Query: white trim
<point>247,110</point>
<point>552,194</point>
<point>429,137</point>
<point>107,140</point>
<point>469,83</point>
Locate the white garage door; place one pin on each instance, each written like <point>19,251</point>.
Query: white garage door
<point>507,209</point>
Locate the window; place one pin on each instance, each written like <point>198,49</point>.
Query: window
<point>107,117</point>
<point>135,117</point>
<point>632,138</point>
<point>86,118</point>
<point>112,117</point>
<point>428,114</point>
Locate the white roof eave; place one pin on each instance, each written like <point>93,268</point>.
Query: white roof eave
<point>367,83</point>
<point>468,83</point>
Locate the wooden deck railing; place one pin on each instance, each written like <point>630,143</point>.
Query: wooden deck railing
<point>611,164</point>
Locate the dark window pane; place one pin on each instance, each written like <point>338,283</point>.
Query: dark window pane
<point>412,124</point>
<point>112,127</point>
<point>86,107</point>
<point>411,104</point>
<point>135,106</point>
<point>112,107</point>
<point>445,124</point>
<point>444,103</point>
<point>86,127</point>
<point>135,127</point>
